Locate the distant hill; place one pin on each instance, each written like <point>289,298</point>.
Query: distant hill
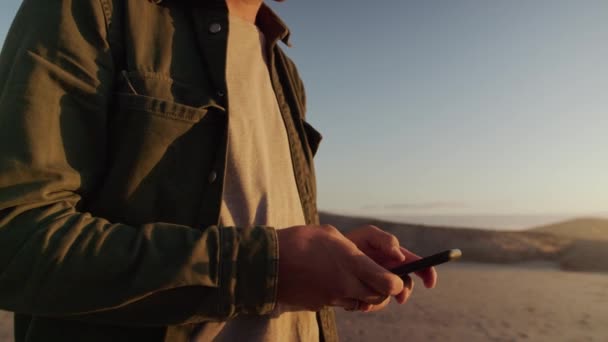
<point>583,228</point>
<point>490,246</point>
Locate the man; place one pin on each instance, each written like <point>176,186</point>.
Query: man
<point>157,181</point>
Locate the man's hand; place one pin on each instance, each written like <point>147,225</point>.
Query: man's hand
<point>318,266</point>
<point>385,250</point>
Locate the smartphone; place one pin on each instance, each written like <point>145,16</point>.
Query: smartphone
<point>426,262</point>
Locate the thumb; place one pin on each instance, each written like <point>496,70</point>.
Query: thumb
<point>386,243</point>
<point>377,278</point>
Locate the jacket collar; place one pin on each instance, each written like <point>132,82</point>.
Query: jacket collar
<point>273,27</point>
<point>267,20</point>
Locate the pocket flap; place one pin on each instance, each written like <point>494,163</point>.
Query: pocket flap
<point>165,108</point>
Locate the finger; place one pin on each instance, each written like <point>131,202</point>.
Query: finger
<point>356,289</point>
<point>385,242</point>
<point>407,290</point>
<point>371,297</point>
<point>378,307</point>
<point>428,275</point>
<point>349,304</point>
<point>366,307</point>
<point>377,278</point>
<point>403,296</point>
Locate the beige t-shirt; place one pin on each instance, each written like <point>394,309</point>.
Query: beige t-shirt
<point>260,187</point>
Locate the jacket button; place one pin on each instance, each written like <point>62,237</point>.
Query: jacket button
<point>212,176</point>
<point>220,93</point>
<point>215,28</point>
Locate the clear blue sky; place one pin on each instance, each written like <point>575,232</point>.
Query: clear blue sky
<point>453,106</point>
<point>457,106</point>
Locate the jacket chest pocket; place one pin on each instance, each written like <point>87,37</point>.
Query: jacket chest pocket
<point>160,153</point>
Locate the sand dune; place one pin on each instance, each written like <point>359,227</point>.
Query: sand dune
<point>583,228</point>
<point>586,255</point>
<point>490,246</point>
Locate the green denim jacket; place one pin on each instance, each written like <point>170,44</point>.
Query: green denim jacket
<point>113,134</point>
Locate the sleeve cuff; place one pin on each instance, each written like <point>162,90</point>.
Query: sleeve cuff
<point>255,269</point>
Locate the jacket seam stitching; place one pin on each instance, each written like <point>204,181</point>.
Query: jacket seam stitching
<point>163,77</point>
<point>107,14</point>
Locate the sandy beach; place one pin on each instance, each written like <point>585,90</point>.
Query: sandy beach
<point>483,302</point>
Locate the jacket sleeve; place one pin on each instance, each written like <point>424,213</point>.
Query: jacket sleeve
<point>56,74</point>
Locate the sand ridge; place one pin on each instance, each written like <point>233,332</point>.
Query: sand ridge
<point>492,246</point>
